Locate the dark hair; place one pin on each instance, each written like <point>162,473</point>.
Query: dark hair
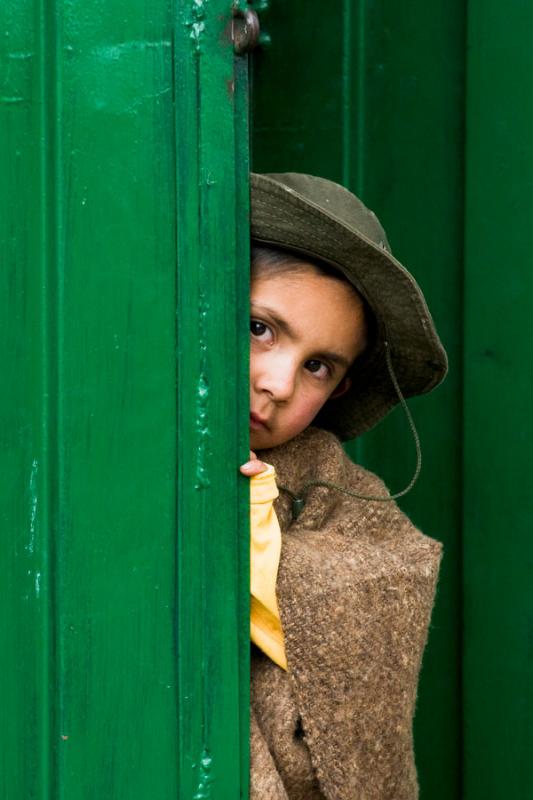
<point>268,260</point>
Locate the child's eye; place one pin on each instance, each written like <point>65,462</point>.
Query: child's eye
<point>259,330</point>
<point>318,368</point>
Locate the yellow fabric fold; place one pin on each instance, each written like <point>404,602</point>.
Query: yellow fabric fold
<point>265,549</point>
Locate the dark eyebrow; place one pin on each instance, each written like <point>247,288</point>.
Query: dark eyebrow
<point>283,325</point>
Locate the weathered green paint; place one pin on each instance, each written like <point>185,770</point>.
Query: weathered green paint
<point>498,389</point>
<point>123,209</point>
<point>212,328</point>
<point>377,104</point>
<point>242,408</point>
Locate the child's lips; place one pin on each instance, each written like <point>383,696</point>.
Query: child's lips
<point>257,423</point>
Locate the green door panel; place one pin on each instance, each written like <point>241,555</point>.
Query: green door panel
<point>123,234</point>
<point>498,391</point>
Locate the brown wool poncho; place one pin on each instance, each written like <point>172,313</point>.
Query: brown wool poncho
<point>355,588</point>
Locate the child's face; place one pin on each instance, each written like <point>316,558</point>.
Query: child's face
<point>306,330</point>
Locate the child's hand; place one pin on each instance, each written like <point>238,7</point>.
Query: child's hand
<point>253,466</point>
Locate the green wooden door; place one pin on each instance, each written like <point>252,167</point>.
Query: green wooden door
<point>424,110</point>
<point>123,291</point>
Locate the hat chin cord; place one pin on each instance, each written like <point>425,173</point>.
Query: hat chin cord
<point>298,503</point>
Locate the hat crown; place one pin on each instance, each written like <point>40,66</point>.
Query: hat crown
<point>336,201</point>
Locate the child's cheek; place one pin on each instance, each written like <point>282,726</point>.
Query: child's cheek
<point>308,407</point>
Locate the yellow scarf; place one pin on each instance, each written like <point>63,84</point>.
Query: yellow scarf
<point>265,549</point>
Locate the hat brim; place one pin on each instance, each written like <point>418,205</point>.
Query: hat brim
<point>281,216</point>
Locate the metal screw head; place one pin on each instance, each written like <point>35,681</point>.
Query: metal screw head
<point>245,31</point>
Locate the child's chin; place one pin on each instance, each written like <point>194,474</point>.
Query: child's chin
<point>260,440</point>
<point>263,440</point>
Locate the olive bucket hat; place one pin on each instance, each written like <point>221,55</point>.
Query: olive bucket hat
<point>322,220</point>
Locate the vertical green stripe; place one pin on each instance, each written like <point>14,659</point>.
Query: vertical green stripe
<point>114,402</point>
<point>359,36</point>
<point>412,177</point>
<point>50,427</point>
<point>212,498</point>
<point>241,344</point>
<point>498,506</point>
<point>347,75</point>
<point>26,430</point>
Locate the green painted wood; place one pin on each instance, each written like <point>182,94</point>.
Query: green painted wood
<point>123,291</point>
<point>212,325</point>
<point>498,429</point>
<point>371,95</point>
<point>297,83</point>
<point>242,408</point>
<point>27,713</point>
<point>410,170</point>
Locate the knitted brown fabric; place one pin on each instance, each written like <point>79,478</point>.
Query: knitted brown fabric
<point>355,588</point>
<point>269,786</point>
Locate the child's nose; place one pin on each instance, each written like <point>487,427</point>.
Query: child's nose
<point>279,382</point>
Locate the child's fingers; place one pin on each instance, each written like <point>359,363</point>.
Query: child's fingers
<point>253,466</point>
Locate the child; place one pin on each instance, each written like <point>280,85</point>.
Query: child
<point>342,583</point>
